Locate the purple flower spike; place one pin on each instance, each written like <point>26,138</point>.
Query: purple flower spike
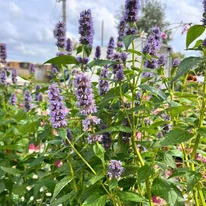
<point>32,69</point>
<point>110,48</point>
<point>89,122</point>
<point>97,52</point>
<point>27,100</point>
<point>56,107</point>
<point>176,62</point>
<point>121,29</point>
<point>14,76</point>
<point>204,43</point>
<point>40,97</point>
<point>3,53</point>
<point>123,56</point>
<point>119,75</point>
<point>115,169</point>
<point>69,46</point>
<point>60,54</point>
<point>103,83</point>
<point>84,94</point>
<point>92,139</point>
<point>162,60</point>
<point>3,77</point>
<point>86,28</point>
<point>13,99</point>
<point>81,60</point>
<point>37,95</point>
<point>60,34</point>
<point>204,12</point>
<point>131,10</point>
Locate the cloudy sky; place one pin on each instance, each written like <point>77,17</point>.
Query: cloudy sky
<point>27,25</point>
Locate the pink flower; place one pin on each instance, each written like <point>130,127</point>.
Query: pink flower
<point>164,35</point>
<point>58,163</point>
<point>32,148</point>
<point>156,199</point>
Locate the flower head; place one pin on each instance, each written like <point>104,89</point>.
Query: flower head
<point>81,60</point>
<point>60,34</point>
<point>38,96</point>
<point>89,122</point>
<point>86,27</point>
<point>69,46</point>
<point>84,94</point>
<point>121,31</point>
<point>103,83</point>
<point>14,76</point>
<point>115,169</point>
<point>13,99</point>
<point>60,53</point>
<point>3,77</point>
<point>27,100</point>
<point>204,12</point>
<point>110,48</point>
<point>162,60</point>
<point>32,69</point>
<point>176,62</point>
<point>92,139</point>
<point>97,52</point>
<point>56,107</point>
<point>131,10</point>
<point>3,53</point>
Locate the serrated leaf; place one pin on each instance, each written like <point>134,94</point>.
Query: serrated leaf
<point>192,179</point>
<point>127,40</point>
<point>61,200</point>
<point>127,182</point>
<point>154,91</point>
<point>101,62</point>
<point>12,171</point>
<point>95,200</point>
<point>130,197</point>
<point>79,49</point>
<point>41,90</point>
<point>60,185</point>
<point>99,151</point>
<point>112,184</point>
<point>186,65</point>
<point>168,192</point>
<point>174,111</point>
<point>193,33</point>
<point>95,179</point>
<point>144,173</point>
<point>202,131</point>
<point>174,137</point>
<point>66,59</point>
<point>135,52</point>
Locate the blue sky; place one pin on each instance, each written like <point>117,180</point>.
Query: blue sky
<point>27,25</point>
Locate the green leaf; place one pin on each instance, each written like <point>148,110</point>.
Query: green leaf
<point>202,131</point>
<point>29,127</point>
<point>62,133</point>
<point>175,137</point>
<point>193,33</point>
<point>99,151</point>
<point>144,173</point>
<point>192,179</point>
<point>20,115</point>
<point>127,182</point>
<point>79,49</point>
<point>41,90</point>
<point>112,184</point>
<point>101,62</point>
<point>63,60</point>
<point>174,111</point>
<point>186,65</point>
<point>61,200</point>
<point>88,50</point>
<point>169,160</point>
<point>130,197</point>
<point>168,192</point>
<point>12,171</point>
<point>135,52</point>
<point>127,40</point>
<point>95,179</point>
<point>153,90</point>
<point>179,172</point>
<point>60,185</point>
<point>95,200</point>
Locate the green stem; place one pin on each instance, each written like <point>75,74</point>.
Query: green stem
<point>134,128</point>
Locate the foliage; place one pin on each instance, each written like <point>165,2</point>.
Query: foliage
<point>136,143</point>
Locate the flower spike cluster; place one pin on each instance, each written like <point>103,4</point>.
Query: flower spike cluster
<point>27,101</point>
<point>115,169</point>
<point>14,76</point>
<point>86,29</point>
<point>69,46</point>
<point>60,34</point>
<point>13,99</point>
<point>103,83</point>
<point>110,48</point>
<point>3,77</point>
<point>204,13</point>
<point>97,52</point>
<point>56,107</point>
<point>3,52</point>
<point>84,94</point>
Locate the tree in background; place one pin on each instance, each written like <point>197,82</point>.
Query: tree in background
<point>152,14</point>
